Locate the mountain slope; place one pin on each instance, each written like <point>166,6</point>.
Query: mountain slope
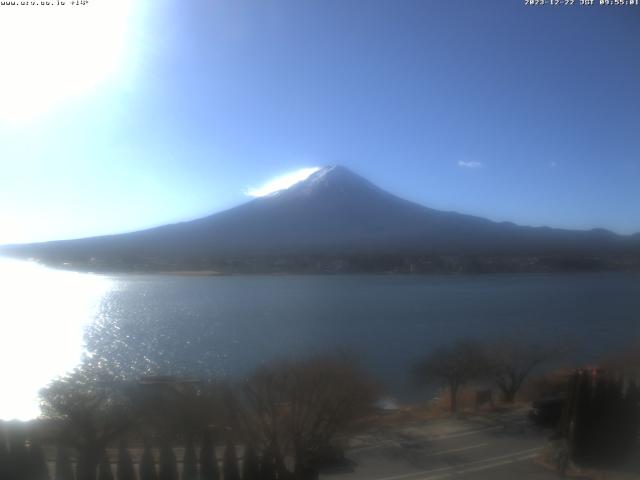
<point>335,212</point>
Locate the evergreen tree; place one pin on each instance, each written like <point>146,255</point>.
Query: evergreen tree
<point>63,469</point>
<point>602,426</point>
<point>582,420</point>
<point>88,461</point>
<point>268,465</point>
<point>104,467</point>
<point>209,469</point>
<point>596,424</point>
<point>305,468</point>
<point>632,412</point>
<point>37,462</point>
<point>230,464</point>
<point>612,442</point>
<point>632,409</point>
<point>4,459</point>
<point>125,463</point>
<point>19,461</point>
<point>168,464</point>
<point>563,430</point>
<point>281,468</point>
<point>250,463</point>
<point>147,465</point>
<point>189,461</point>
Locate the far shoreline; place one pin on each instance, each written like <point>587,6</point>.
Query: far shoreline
<point>376,266</point>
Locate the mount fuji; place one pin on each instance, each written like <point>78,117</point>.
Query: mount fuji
<point>334,213</point>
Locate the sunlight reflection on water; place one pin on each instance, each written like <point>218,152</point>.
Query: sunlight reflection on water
<point>43,313</point>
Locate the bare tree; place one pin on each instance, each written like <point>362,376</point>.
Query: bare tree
<point>92,409</point>
<point>511,361</point>
<point>454,366</point>
<point>263,407</point>
<point>194,405</point>
<point>303,407</point>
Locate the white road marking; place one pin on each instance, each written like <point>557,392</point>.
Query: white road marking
<point>373,447</point>
<point>454,450</point>
<point>465,433</point>
<point>496,464</point>
<point>491,462</point>
<point>427,439</point>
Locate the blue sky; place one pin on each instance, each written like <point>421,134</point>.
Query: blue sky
<point>152,112</point>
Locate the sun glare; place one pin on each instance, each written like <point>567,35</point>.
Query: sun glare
<point>49,54</point>
<point>282,182</point>
<point>43,313</point>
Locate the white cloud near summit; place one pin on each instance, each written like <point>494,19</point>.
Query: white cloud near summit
<point>280,183</point>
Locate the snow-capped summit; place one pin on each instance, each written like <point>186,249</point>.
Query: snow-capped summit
<point>334,178</point>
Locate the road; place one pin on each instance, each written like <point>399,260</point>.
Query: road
<point>470,448</point>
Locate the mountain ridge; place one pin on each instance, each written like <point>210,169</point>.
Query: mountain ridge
<point>334,212</point>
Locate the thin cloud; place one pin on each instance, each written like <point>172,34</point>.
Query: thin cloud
<point>280,183</point>
<point>553,164</point>
<point>471,164</point>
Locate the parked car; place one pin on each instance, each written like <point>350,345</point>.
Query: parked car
<point>547,412</point>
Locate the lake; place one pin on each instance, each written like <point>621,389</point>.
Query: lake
<point>229,324</point>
